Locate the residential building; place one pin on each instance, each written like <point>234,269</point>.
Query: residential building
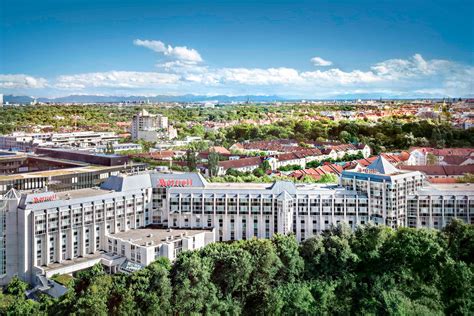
<point>420,155</point>
<point>150,127</point>
<point>243,165</point>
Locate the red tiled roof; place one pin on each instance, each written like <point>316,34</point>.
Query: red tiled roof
<point>454,160</point>
<point>167,154</point>
<point>444,151</point>
<point>240,163</point>
<point>220,150</point>
<point>441,170</point>
<point>442,180</point>
<point>318,172</point>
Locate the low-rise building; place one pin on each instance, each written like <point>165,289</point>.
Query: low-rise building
<point>20,141</point>
<point>242,165</point>
<point>119,147</point>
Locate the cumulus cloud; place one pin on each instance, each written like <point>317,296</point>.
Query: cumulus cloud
<point>116,79</point>
<point>413,76</point>
<point>415,66</point>
<point>318,61</point>
<point>181,53</point>
<point>21,81</point>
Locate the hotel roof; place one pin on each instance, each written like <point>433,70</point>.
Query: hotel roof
<point>54,173</point>
<point>382,166</point>
<point>156,236</point>
<point>447,189</point>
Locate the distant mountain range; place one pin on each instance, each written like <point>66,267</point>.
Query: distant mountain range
<point>196,98</point>
<point>158,98</point>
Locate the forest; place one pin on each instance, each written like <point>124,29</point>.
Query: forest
<point>374,270</point>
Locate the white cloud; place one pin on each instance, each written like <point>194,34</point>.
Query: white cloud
<point>181,53</point>
<point>318,61</point>
<point>21,81</point>
<point>413,76</point>
<point>415,66</point>
<point>116,79</point>
<point>258,76</point>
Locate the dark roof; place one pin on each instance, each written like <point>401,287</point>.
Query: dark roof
<point>454,160</point>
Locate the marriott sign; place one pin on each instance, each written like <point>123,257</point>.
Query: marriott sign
<point>175,182</point>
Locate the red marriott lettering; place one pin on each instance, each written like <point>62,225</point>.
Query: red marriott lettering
<point>175,182</point>
<point>42,199</point>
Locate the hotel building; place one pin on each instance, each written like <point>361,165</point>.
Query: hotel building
<point>132,219</point>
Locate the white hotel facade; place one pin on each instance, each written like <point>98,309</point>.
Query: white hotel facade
<point>42,234</point>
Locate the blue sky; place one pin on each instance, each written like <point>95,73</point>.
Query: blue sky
<point>308,49</point>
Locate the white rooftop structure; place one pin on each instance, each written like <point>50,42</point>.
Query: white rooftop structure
<point>382,166</point>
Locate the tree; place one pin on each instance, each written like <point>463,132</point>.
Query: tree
<point>151,287</point>
<point>457,288</point>
<point>16,287</point>
<point>213,163</point>
<point>191,160</point>
<point>258,172</point>
<point>262,279</point>
<point>287,249</point>
<point>193,291</point>
<point>345,136</point>
<point>231,270</point>
<point>431,159</point>
<point>328,178</point>
<point>466,178</point>
<point>292,299</point>
<point>460,240</point>
<point>94,299</point>
<point>265,165</point>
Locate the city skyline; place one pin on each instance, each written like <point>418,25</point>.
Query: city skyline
<point>304,50</point>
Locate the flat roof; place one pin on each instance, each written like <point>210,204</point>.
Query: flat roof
<point>453,186</point>
<point>56,172</point>
<point>80,152</point>
<point>72,262</point>
<point>239,185</point>
<point>13,155</point>
<point>447,189</point>
<point>81,193</point>
<point>156,236</point>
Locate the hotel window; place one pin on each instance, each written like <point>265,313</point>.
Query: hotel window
<point>64,246</point>
<point>132,252</point>
<point>255,227</point>
<point>51,249</point>
<point>76,243</point>
<point>232,229</point>
<point>157,252</point>
<point>38,252</point>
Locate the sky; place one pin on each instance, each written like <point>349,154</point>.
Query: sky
<point>297,49</point>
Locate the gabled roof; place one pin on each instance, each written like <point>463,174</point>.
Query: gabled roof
<point>382,166</point>
<point>220,150</point>
<point>240,163</point>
